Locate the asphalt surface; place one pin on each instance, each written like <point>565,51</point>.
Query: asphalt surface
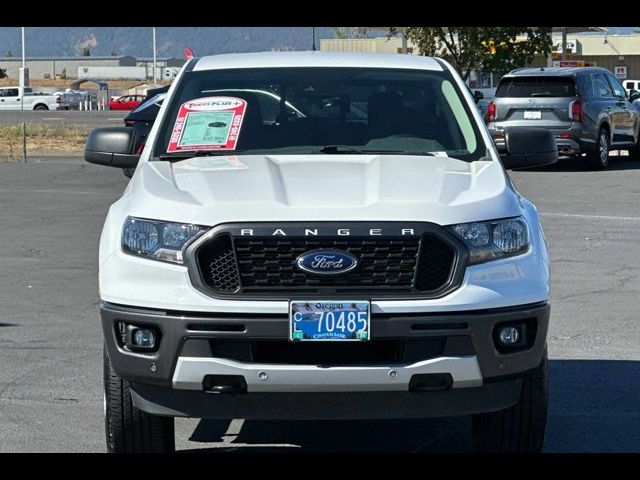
<point>51,347</point>
<point>67,117</point>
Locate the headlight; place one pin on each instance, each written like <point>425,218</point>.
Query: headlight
<point>495,239</point>
<point>158,240</point>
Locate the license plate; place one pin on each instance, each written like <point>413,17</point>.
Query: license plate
<point>329,320</point>
<point>532,114</point>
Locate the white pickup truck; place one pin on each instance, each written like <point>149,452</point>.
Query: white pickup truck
<point>322,235</point>
<point>14,98</point>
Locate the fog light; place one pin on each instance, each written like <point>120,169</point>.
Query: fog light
<point>509,335</point>
<point>144,338</point>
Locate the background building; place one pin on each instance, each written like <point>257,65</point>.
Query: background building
<point>161,63</point>
<point>368,45</point>
<point>49,67</point>
<point>609,51</point>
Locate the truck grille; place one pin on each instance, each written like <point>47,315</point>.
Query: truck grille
<point>259,266</point>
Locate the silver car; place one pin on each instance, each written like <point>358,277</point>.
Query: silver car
<point>587,109</point>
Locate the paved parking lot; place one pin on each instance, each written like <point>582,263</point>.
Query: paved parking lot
<point>51,212</point>
<point>71,117</point>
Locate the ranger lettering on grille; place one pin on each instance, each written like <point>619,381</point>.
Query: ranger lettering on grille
<point>313,232</point>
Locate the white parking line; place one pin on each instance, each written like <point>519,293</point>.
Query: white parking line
<point>593,217</point>
<point>235,426</point>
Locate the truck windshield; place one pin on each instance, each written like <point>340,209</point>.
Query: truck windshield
<point>319,110</point>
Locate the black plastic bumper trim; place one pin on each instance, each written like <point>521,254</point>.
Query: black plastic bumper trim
<point>157,367</point>
<point>327,406</point>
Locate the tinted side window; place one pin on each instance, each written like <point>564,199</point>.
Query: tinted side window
<point>618,90</point>
<point>585,88</point>
<point>601,87</point>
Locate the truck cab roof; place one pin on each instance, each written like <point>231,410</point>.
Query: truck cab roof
<point>315,59</point>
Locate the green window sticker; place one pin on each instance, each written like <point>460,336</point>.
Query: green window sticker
<point>209,123</point>
<point>206,128</point>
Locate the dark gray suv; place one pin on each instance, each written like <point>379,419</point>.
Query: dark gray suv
<point>587,109</point>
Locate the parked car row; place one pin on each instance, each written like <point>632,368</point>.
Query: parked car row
<point>126,102</point>
<point>72,98</point>
<point>23,98</point>
<point>587,109</point>
<point>141,119</point>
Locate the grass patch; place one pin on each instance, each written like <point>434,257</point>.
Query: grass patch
<point>42,140</point>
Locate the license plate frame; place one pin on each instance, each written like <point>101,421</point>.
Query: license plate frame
<point>317,310</point>
<point>532,114</point>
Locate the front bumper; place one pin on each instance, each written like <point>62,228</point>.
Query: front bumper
<point>171,380</point>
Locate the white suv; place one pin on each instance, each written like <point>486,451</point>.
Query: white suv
<point>322,235</point>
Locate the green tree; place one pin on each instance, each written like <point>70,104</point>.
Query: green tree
<point>86,52</point>
<point>8,54</point>
<point>350,32</point>
<point>488,49</point>
<point>3,73</point>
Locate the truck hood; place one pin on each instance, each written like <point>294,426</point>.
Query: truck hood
<point>212,190</point>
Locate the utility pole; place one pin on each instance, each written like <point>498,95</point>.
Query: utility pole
<point>24,59</point>
<point>155,72</point>
<point>24,64</point>
<point>313,38</point>
<point>403,36</point>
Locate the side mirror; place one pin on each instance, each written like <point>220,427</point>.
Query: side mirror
<point>478,95</point>
<point>634,95</point>
<point>526,147</point>
<point>111,146</point>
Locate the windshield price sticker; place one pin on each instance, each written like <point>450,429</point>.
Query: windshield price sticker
<point>210,123</point>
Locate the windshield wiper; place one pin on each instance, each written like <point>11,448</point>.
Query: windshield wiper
<point>338,149</point>
<point>174,157</point>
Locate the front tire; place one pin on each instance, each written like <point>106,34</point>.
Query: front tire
<point>521,427</point>
<point>128,429</point>
<point>599,158</point>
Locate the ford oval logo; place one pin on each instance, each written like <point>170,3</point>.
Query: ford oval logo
<point>326,262</point>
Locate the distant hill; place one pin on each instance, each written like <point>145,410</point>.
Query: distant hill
<point>137,41</point>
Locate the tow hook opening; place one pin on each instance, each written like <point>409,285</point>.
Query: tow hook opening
<point>224,384</point>
<point>430,382</point>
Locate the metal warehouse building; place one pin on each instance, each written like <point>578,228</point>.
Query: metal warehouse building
<point>41,67</point>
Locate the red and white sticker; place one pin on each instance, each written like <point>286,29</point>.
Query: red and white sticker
<point>209,123</point>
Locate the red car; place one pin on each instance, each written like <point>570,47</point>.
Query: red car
<point>126,102</point>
